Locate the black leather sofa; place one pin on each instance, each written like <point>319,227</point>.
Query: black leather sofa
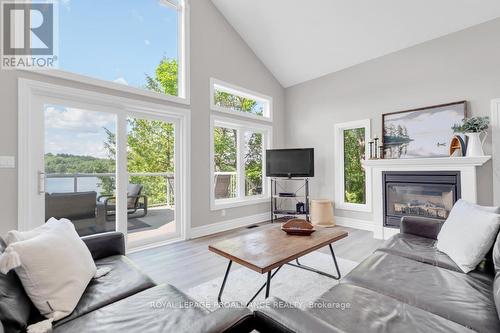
<point>406,285</point>
<point>124,300</point>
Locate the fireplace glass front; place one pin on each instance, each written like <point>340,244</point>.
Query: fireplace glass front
<point>426,195</point>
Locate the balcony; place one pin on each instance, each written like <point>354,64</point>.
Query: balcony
<point>87,200</point>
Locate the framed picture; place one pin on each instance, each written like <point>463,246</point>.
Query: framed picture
<point>423,132</point>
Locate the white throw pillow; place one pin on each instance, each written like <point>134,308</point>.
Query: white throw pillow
<point>468,234</point>
<point>55,266</point>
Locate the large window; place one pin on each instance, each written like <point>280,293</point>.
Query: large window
<point>238,152</point>
<point>231,99</point>
<point>351,140</point>
<point>139,44</point>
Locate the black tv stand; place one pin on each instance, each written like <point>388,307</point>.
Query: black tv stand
<point>299,194</point>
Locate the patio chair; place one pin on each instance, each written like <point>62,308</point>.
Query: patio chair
<point>222,185</point>
<point>106,204</point>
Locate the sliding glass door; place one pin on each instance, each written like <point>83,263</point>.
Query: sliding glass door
<point>103,165</point>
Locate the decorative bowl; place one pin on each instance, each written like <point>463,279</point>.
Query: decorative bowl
<point>298,227</point>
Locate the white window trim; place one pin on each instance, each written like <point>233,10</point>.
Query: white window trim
<point>30,92</point>
<point>183,70</point>
<point>240,91</point>
<point>339,166</point>
<point>241,200</point>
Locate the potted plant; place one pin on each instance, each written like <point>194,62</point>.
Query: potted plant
<point>473,128</point>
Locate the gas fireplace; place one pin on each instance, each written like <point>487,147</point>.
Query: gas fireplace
<point>419,193</point>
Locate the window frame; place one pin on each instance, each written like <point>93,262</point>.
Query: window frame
<point>340,202</point>
<point>183,56</point>
<point>216,84</point>
<point>240,126</point>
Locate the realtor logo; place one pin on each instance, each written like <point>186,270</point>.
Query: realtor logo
<point>28,35</point>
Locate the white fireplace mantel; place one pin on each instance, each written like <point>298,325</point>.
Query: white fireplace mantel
<point>465,165</point>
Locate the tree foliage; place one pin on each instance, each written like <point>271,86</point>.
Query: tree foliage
<point>238,103</point>
<point>165,79</point>
<point>354,176</point>
<point>225,149</point>
<point>67,163</point>
<point>253,164</point>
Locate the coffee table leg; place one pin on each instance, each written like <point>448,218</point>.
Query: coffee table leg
<point>224,281</point>
<point>335,261</point>
<point>307,268</point>
<point>267,285</point>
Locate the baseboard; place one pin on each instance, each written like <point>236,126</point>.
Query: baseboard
<point>354,223</point>
<point>228,225</point>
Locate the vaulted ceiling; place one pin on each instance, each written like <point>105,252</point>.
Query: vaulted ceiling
<point>299,40</point>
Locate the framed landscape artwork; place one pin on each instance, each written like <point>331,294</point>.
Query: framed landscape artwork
<point>420,133</point>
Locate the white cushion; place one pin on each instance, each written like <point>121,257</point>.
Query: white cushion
<point>56,266</point>
<point>468,234</point>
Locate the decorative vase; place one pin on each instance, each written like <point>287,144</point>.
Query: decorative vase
<point>475,144</point>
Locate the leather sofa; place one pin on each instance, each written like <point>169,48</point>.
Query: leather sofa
<point>124,300</point>
<point>406,285</point>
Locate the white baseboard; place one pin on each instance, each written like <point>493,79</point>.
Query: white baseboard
<point>354,223</point>
<point>228,225</point>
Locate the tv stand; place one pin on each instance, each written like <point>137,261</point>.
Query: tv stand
<point>285,206</point>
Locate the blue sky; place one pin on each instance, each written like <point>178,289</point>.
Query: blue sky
<point>116,40</point>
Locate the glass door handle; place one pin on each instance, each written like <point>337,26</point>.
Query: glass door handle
<point>41,182</point>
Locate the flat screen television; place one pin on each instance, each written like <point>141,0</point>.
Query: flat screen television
<point>290,162</point>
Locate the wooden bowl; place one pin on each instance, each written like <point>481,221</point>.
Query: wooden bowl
<point>298,227</point>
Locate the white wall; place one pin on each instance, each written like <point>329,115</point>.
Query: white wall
<point>461,66</point>
<point>216,51</point>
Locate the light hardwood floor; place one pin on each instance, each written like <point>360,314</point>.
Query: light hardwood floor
<point>189,263</point>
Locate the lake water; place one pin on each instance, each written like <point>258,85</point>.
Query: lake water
<point>64,185</point>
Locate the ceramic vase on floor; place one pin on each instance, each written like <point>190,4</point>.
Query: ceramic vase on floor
<point>475,144</point>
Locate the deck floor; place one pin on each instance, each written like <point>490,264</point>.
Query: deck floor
<point>156,218</point>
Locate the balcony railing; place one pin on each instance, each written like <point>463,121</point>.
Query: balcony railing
<point>226,185</point>
<point>99,184</point>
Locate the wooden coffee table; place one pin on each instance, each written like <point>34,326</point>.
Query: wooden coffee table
<point>271,248</point>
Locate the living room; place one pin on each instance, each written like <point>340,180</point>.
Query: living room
<point>269,166</point>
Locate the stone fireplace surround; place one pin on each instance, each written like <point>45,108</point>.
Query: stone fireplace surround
<point>465,165</point>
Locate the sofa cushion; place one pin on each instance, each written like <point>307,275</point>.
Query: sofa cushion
<point>419,249</point>
<point>123,280</point>
<point>53,264</point>
<point>159,309</point>
<point>468,234</point>
<point>462,298</point>
<point>15,306</point>
<point>369,311</point>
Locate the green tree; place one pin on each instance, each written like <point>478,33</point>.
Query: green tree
<point>253,164</point>
<point>165,79</point>
<point>354,176</point>
<point>238,103</point>
<point>225,149</point>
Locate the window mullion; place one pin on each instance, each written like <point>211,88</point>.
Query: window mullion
<point>240,163</point>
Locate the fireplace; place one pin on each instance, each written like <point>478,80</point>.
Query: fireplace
<point>419,193</point>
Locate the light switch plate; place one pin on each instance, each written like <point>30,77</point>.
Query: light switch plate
<point>7,162</point>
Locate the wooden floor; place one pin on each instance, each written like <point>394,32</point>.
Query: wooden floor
<point>189,263</point>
